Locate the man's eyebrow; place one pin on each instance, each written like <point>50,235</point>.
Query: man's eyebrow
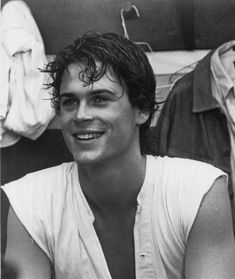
<point>100,91</point>
<point>67,94</point>
<point>90,92</point>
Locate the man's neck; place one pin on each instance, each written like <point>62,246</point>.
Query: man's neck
<point>113,185</point>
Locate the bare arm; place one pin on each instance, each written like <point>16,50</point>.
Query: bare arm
<point>23,254</point>
<point>210,251</point>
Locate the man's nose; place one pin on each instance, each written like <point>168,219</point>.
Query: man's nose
<point>83,112</point>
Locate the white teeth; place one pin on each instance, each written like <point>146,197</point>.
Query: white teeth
<point>88,136</point>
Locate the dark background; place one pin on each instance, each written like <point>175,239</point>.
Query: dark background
<point>164,24</point>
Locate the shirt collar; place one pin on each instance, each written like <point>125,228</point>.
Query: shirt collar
<point>222,68</point>
<point>141,197</point>
<point>202,94</point>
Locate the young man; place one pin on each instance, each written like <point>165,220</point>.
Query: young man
<point>116,212</point>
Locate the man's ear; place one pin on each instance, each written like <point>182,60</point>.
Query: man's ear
<point>142,116</point>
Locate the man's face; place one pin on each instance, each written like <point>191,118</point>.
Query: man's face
<point>98,122</point>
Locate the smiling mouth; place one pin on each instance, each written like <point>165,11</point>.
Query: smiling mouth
<point>88,136</point>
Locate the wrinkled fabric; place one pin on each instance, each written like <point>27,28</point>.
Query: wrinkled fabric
<point>223,90</point>
<point>29,156</point>
<point>25,108</point>
<point>191,124</point>
<point>52,207</point>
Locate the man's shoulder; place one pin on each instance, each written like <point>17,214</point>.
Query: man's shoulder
<point>52,171</point>
<point>170,161</point>
<point>46,179</point>
<point>186,169</point>
<point>180,187</point>
<point>183,85</point>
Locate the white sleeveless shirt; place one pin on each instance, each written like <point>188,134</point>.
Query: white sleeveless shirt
<point>52,207</point>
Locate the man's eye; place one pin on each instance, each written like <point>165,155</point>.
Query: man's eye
<point>68,102</point>
<point>100,99</point>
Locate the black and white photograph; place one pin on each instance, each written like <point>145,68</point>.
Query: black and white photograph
<point>117,139</point>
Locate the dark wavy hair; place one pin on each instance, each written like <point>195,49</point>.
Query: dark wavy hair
<point>125,60</point>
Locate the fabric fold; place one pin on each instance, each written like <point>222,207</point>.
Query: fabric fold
<point>25,108</point>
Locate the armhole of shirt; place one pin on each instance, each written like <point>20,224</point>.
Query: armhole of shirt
<point>25,202</point>
<point>191,202</point>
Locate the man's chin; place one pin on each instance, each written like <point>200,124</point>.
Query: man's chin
<point>86,160</point>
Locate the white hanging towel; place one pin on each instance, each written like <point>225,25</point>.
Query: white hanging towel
<point>25,108</point>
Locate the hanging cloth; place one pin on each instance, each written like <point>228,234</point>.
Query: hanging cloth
<point>25,108</point>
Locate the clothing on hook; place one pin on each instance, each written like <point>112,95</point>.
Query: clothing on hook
<point>25,108</point>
